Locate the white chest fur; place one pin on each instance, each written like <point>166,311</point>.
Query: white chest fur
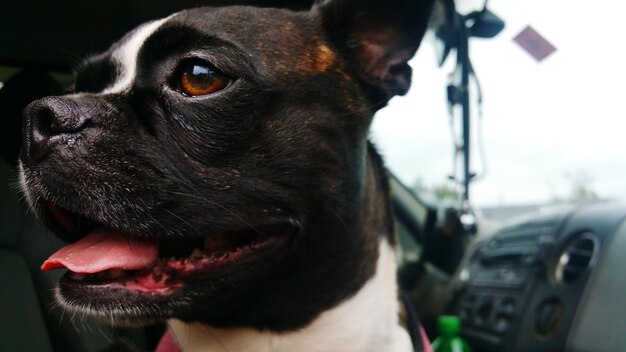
<point>366,322</point>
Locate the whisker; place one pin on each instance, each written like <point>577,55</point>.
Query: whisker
<point>183,220</point>
<point>229,211</point>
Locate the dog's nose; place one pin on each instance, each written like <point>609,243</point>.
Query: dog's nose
<point>45,120</point>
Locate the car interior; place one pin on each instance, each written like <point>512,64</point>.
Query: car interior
<point>548,279</point>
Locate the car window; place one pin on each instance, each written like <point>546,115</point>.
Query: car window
<point>551,129</point>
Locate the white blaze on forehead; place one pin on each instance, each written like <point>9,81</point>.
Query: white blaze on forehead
<point>125,56</point>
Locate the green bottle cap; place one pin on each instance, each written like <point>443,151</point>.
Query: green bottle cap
<point>449,324</point>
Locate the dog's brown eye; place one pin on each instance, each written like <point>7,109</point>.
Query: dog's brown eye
<point>201,79</point>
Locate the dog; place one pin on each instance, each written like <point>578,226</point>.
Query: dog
<point>212,169</point>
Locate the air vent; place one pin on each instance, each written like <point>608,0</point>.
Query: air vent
<point>578,256</point>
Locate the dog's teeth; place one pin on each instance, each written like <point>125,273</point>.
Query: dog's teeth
<point>196,254</point>
<point>216,243</point>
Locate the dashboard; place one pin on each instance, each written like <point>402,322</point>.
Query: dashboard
<point>550,282</point>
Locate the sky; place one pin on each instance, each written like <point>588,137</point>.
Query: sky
<point>543,123</point>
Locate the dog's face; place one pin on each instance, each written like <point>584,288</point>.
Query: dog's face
<point>210,166</point>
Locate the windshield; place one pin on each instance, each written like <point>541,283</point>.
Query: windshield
<point>552,130</point>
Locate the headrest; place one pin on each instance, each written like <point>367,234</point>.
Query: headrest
<point>18,91</point>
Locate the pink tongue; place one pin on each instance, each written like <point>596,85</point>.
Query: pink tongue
<point>104,249</point>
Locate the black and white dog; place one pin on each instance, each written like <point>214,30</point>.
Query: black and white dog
<point>212,169</point>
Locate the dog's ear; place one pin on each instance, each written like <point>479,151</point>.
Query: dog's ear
<point>377,38</point>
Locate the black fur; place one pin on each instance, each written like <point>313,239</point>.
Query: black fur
<point>286,140</point>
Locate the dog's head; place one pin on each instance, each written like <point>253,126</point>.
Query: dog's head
<point>211,165</point>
